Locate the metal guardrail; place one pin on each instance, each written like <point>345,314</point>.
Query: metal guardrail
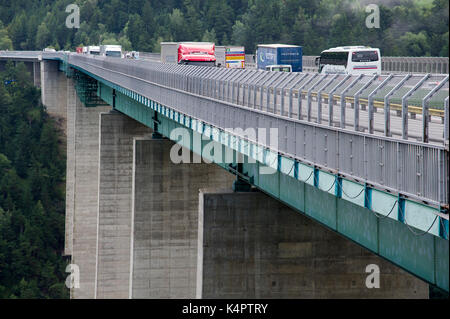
<point>249,99</point>
<point>20,55</point>
<point>150,56</point>
<point>415,64</point>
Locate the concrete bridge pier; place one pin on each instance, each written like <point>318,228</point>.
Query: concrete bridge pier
<point>53,89</point>
<point>252,246</point>
<point>147,213</point>
<point>165,218</point>
<point>115,186</point>
<point>82,188</point>
<point>37,74</point>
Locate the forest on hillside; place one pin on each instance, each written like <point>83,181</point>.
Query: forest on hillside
<point>407,27</point>
<point>32,193</point>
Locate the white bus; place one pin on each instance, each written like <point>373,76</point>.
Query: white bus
<point>350,60</point>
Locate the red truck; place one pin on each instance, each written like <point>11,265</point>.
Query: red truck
<point>193,53</point>
<point>79,49</point>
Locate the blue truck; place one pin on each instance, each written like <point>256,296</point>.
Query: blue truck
<point>283,55</point>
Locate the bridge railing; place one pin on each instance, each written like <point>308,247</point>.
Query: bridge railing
<point>150,56</point>
<point>20,55</point>
<point>329,121</point>
<point>415,64</point>
<point>365,95</point>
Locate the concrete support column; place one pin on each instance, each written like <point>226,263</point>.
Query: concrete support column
<point>37,74</point>
<point>70,166</point>
<point>252,246</point>
<point>115,203</point>
<point>165,201</point>
<point>53,89</point>
<point>82,189</point>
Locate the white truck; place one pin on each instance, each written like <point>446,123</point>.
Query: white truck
<point>93,49</point>
<point>111,50</point>
<point>231,57</point>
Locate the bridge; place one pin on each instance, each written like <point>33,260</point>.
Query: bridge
<point>364,156</point>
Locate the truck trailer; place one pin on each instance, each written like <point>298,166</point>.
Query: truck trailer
<point>279,54</point>
<point>193,53</point>
<point>231,57</point>
<point>93,49</point>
